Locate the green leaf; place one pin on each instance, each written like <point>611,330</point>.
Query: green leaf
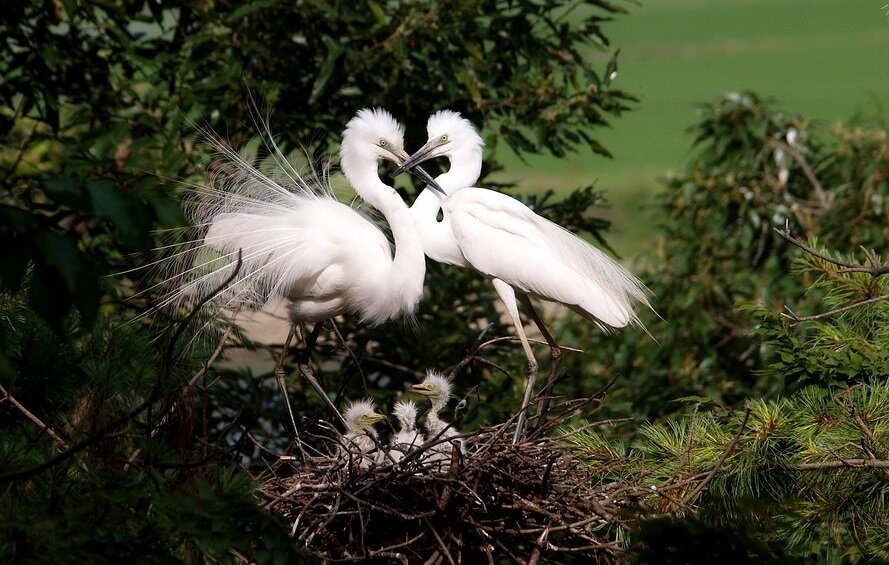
<point>67,192</point>
<point>118,207</point>
<point>334,51</point>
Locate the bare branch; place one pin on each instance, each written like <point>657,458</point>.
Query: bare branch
<point>797,319</point>
<point>31,416</point>
<point>843,464</point>
<point>824,199</point>
<point>876,268</point>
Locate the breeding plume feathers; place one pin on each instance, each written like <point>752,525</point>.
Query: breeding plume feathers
<point>265,213</point>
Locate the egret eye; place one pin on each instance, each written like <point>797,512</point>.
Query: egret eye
<point>383,142</point>
<point>444,137</point>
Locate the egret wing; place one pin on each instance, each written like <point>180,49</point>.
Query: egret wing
<point>503,238</point>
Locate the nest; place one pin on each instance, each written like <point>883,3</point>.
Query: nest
<point>495,501</point>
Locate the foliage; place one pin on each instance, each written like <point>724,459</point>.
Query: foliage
<point>805,472</point>
<point>105,449</point>
<point>755,169</point>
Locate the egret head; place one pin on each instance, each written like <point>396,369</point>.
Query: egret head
<point>437,388</point>
<point>362,415</point>
<point>452,136</point>
<point>371,135</point>
<point>406,413</point>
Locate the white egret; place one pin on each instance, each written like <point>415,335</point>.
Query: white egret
<point>437,389</point>
<point>360,439</point>
<point>521,252</point>
<point>408,436</point>
<point>295,240</point>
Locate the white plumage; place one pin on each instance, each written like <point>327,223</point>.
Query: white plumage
<point>408,437</point>
<point>437,389</point>
<point>520,251</point>
<point>360,439</point>
<point>298,242</point>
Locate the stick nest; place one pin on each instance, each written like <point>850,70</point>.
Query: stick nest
<point>531,502</point>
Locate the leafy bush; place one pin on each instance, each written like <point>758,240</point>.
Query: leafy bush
<point>756,169</point>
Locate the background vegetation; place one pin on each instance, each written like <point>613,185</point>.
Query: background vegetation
<point>118,441</point>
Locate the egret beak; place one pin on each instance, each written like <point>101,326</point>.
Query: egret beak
<point>401,156</point>
<point>422,154</point>
<point>421,174</point>
<point>421,389</point>
<point>375,417</point>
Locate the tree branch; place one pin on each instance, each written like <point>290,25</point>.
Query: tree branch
<point>31,416</point>
<point>824,198</point>
<point>722,458</point>
<point>796,319</point>
<point>843,464</point>
<point>876,269</point>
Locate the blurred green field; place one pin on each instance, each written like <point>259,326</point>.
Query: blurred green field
<point>825,59</point>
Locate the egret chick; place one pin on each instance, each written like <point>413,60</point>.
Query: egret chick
<point>408,436</point>
<point>437,389</point>
<point>360,439</point>
<point>523,254</point>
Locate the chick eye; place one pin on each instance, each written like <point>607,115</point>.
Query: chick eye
<point>444,137</point>
<point>383,142</point>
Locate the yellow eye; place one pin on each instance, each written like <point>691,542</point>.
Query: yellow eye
<point>383,142</point>
<point>444,137</point>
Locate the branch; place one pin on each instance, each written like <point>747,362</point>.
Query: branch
<point>823,197</point>
<point>796,319</point>
<point>843,464</point>
<point>862,425</point>
<point>876,269</point>
<point>722,458</point>
<point>31,416</point>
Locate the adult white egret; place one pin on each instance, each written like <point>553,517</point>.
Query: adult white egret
<point>408,436</point>
<point>360,439</point>
<point>521,252</point>
<point>437,389</point>
<point>293,239</point>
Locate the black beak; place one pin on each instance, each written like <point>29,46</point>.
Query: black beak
<point>421,155</point>
<point>421,174</point>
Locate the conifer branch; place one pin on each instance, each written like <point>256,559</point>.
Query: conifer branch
<point>114,427</point>
<point>716,468</point>
<point>862,425</point>
<point>797,319</point>
<point>876,268</point>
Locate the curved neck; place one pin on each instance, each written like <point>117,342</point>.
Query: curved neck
<point>409,257</point>
<point>463,172</point>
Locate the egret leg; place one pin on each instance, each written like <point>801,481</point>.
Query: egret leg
<point>279,376</point>
<point>555,360</point>
<point>305,368</point>
<point>508,296</point>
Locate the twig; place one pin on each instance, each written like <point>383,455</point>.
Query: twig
<point>722,458</point>
<point>797,319</point>
<point>823,197</point>
<point>843,463</point>
<point>875,270</point>
<point>862,425</point>
<point>212,359</point>
<point>31,416</point>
